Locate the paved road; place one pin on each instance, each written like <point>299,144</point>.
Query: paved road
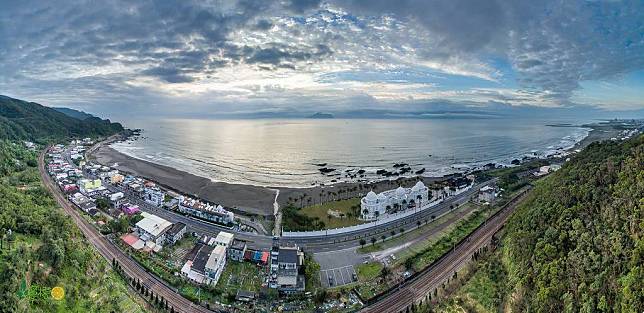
<point>109,251</point>
<point>415,290</point>
<point>323,243</point>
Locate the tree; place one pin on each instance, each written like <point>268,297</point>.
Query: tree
<point>362,242</point>
<point>385,272</point>
<point>373,240</point>
<point>383,237</point>
<point>418,223</point>
<point>402,230</point>
<point>409,263</point>
<point>393,233</point>
<point>102,203</point>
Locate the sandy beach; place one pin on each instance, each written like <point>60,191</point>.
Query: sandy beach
<point>244,199</point>
<point>258,200</point>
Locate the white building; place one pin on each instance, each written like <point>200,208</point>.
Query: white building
<point>207,265</point>
<point>214,213</point>
<point>487,194</point>
<point>154,195</point>
<point>152,229</point>
<point>224,239</point>
<point>374,205</point>
<point>215,265</point>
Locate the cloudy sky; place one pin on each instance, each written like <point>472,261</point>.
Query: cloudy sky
<point>217,57</point>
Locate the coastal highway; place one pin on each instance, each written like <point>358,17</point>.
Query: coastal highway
<point>416,289</point>
<point>326,243</point>
<point>109,251</point>
<point>352,239</point>
<point>315,244</point>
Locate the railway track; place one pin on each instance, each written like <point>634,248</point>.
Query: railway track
<point>417,289</point>
<point>110,252</point>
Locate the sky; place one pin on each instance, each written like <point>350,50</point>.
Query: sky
<point>205,58</point>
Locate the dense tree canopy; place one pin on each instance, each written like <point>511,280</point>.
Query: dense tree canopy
<point>45,249</point>
<point>22,120</point>
<point>576,245</point>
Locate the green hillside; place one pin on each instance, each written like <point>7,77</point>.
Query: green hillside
<point>74,113</point>
<point>576,245</point>
<point>22,120</point>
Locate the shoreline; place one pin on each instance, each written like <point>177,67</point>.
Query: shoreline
<point>244,199</point>
<point>247,199</point>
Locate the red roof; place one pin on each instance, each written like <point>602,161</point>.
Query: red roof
<point>129,239</point>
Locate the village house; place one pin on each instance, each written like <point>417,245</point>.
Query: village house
<point>214,213</point>
<point>206,266</point>
<point>175,233</point>
<point>152,229</point>
<point>224,239</point>
<point>154,196</point>
<point>289,261</point>
<point>236,250</point>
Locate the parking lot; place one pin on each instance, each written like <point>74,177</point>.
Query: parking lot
<point>337,276</point>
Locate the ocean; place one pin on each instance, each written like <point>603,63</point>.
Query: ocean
<point>290,152</point>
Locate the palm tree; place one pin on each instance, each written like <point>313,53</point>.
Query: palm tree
<point>373,240</point>
<point>383,237</point>
<point>362,242</point>
<point>393,233</point>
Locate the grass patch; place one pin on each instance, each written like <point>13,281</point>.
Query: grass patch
<point>346,207</point>
<point>241,276</point>
<point>368,271</point>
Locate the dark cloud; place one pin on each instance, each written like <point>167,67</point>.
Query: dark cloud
<point>281,55</point>
<point>553,45</point>
<point>301,6</point>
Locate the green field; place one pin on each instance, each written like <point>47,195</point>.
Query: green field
<point>241,276</point>
<point>341,206</point>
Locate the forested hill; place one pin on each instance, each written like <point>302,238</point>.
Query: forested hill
<point>22,120</point>
<point>576,245</point>
<point>74,113</point>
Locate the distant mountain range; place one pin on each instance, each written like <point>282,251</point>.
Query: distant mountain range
<point>321,115</point>
<point>22,120</point>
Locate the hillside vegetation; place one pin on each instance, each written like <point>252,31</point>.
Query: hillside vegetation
<point>575,245</point>
<point>45,249</point>
<point>22,120</point>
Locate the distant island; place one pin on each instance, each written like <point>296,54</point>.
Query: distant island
<point>322,115</point>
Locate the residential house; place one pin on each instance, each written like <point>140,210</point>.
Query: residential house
<point>206,266</point>
<point>224,239</point>
<point>487,194</point>
<point>152,229</point>
<point>175,233</point>
<point>289,261</point>
<point>154,196</point>
<point>236,250</point>
<point>214,213</point>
